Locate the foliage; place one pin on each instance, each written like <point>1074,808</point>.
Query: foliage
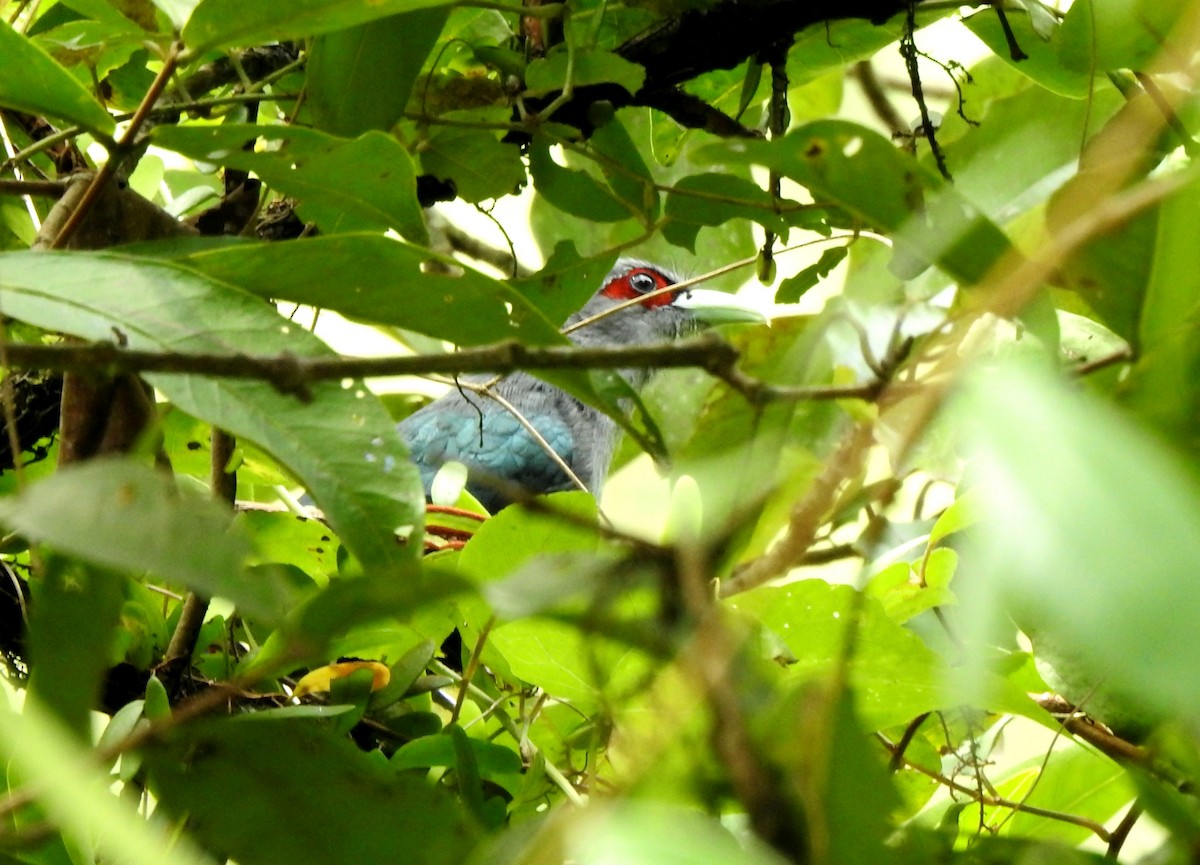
<point>901,520</point>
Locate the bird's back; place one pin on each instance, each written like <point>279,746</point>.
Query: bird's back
<point>493,443</point>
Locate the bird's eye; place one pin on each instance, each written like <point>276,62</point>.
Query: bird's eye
<point>642,282</point>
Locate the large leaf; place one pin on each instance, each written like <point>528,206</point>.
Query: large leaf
<point>304,795</point>
<point>214,23</point>
<point>342,445</point>
<point>376,279</point>
<point>343,184</point>
<point>572,191</point>
<point>30,81</point>
<point>1090,539</point>
<point>357,79</point>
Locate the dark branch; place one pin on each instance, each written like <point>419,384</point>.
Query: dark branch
<point>291,374</point>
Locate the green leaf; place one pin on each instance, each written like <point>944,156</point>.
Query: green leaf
<point>216,23</point>
<point>633,183</point>
<point>646,832</point>
<point>358,80</point>
<point>714,198</point>
<point>71,636</point>
<point>1089,539</point>
<point>1163,387</point>
<point>794,287</point>
<point>1043,62</point>
<point>343,445</point>
<point>571,191</point>
<point>493,762</point>
<point>178,11</point>
<point>1104,35</point>
<point>480,165</point>
<point>340,804</point>
<point>343,184</point>
<point>964,513</point>
<point>376,279</point>
<point>549,74</point>
<point>893,674</point>
<point>402,595</point>
<point>1075,781</point>
<point>863,173</point>
<point>34,83</point>
<point>118,514</point>
<point>77,795</point>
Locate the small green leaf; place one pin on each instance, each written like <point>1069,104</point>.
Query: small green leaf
<point>549,74</point>
<point>157,704</point>
<point>571,191</point>
<point>34,83</point>
<point>480,165</point>
<point>965,512</point>
<point>793,288</point>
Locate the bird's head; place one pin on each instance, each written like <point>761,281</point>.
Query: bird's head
<point>646,311</point>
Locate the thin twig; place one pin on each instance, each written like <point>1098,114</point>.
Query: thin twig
<point>998,801</point>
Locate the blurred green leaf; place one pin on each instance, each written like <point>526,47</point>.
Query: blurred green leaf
<point>71,636</point>
<point>1163,388</point>
<point>1075,498</point>
<point>1103,35</point>
<point>893,674</point>
<point>119,514</point>
<point>77,796</point>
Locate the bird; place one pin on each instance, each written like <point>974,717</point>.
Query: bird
<point>489,438</point>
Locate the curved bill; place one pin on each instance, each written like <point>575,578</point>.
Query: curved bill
<point>718,307</point>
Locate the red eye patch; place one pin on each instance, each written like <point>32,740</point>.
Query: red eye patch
<point>637,282</point>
